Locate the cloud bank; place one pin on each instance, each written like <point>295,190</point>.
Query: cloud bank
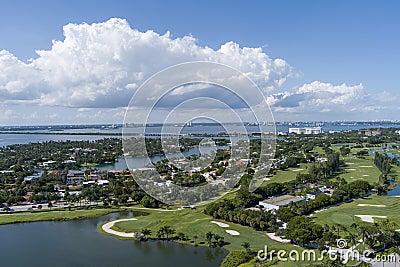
<point>101,65</point>
<point>92,74</point>
<point>326,101</point>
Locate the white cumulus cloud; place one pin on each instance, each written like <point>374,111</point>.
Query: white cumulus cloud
<point>320,97</point>
<point>100,65</point>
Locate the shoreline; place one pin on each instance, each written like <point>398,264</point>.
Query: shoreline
<point>56,215</point>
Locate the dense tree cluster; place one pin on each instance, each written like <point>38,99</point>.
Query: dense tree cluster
<point>226,210</point>
<point>344,193</point>
<point>384,164</point>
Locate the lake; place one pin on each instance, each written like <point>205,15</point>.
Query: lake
<point>78,243</point>
<point>141,162</point>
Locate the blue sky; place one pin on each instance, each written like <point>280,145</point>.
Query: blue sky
<point>327,43</point>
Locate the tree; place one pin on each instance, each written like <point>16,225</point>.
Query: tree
<point>344,150</point>
<point>364,232</point>
<point>123,199</point>
<point>137,196</point>
<point>303,230</point>
<point>181,236</point>
<point>146,232</point>
<point>246,245</point>
<point>209,237</point>
<point>195,238</point>
<point>149,202</point>
<point>219,240</point>
<point>167,231</point>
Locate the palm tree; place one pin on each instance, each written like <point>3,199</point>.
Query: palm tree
<point>217,237</point>
<point>352,238</point>
<point>209,236</point>
<point>146,232</point>
<point>168,231</point>
<point>160,233</point>
<point>195,238</point>
<point>364,232</point>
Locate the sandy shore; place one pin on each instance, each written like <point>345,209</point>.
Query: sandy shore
<point>107,228</point>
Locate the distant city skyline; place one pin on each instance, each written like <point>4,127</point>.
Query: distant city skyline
<point>68,62</point>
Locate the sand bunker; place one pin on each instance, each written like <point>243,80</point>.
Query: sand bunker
<point>371,205</point>
<point>350,169</point>
<point>369,218</point>
<point>220,224</point>
<point>107,228</point>
<point>277,238</point>
<point>369,166</point>
<point>350,163</point>
<point>297,170</point>
<point>232,232</point>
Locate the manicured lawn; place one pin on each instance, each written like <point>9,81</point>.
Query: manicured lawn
<point>194,222</point>
<point>286,175</point>
<point>344,214</point>
<point>360,169</point>
<point>53,215</point>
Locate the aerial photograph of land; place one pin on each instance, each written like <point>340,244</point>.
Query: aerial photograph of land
<point>199,133</point>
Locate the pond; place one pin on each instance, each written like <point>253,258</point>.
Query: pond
<point>394,192</point>
<point>78,243</point>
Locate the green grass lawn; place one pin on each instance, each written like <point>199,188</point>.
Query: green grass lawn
<point>194,222</point>
<point>286,175</point>
<point>36,216</point>
<point>360,169</point>
<point>344,214</point>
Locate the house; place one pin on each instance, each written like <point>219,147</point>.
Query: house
<point>313,195</point>
<point>49,163</point>
<point>275,203</point>
<point>6,171</point>
<point>53,172</point>
<point>103,183</point>
<point>31,178</point>
<point>75,177</point>
<point>88,183</point>
<point>68,161</point>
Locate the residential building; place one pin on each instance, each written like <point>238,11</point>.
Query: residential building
<point>370,132</point>
<point>75,177</point>
<point>275,203</point>
<point>31,178</point>
<point>313,195</point>
<point>306,130</point>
